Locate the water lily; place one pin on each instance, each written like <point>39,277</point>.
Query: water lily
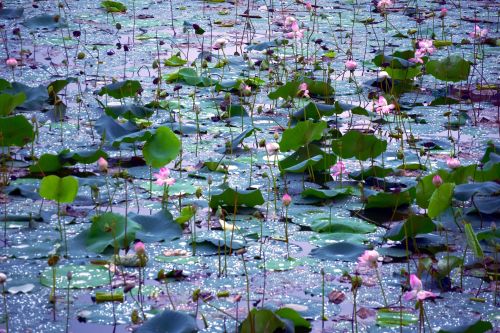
<point>272,148</point>
<point>383,107</point>
<point>245,89</point>
<point>303,91</point>
<point>219,43</point>
<point>382,4</point>
<point>453,163</point>
<point>289,20</point>
<point>11,62</point>
<point>437,180</point>
<point>286,200</point>
<point>102,164</point>
<point>163,177</point>
<point>369,259</point>
<point>351,65</point>
<point>337,169</point>
<point>426,46</point>
<point>418,57</point>
<point>296,32</point>
<point>417,291</point>
<point>478,33</point>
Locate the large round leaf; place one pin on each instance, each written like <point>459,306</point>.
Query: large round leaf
<point>361,146</point>
<point>302,134</point>
<point>108,229</point>
<point>339,251</point>
<point>15,131</point>
<point>59,189</point>
<point>453,68</point>
<point>169,322</point>
<point>84,276</point>
<point>161,148</point>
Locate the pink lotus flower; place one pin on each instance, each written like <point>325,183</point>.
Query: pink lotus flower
<point>11,62</point>
<point>437,180</point>
<point>245,89</point>
<point>102,164</point>
<point>383,107</point>
<point>382,4</point>
<point>139,248</point>
<point>289,20</point>
<point>303,91</point>
<point>337,169</point>
<point>296,32</point>
<point>426,46</point>
<point>478,33</point>
<point>369,259</point>
<point>219,43</point>
<point>417,291</point>
<point>453,163</point>
<point>309,6</point>
<point>163,177</point>
<point>286,199</point>
<point>443,12</point>
<point>418,57</point>
<point>351,65</point>
<point>272,148</point>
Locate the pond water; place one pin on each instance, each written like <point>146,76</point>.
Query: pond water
<point>246,102</point>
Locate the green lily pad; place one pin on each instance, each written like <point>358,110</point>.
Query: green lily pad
<point>84,276</point>
<point>361,146</point>
<point>451,69</point>
<point>440,199</point>
<point>344,251</point>
<point>15,131</point>
<point>108,230</point>
<point>119,90</point>
<point>302,134</point>
<point>391,318</point>
<point>170,322</point>
<point>235,198</point>
<point>414,225</point>
<point>161,148</point>
<point>61,190</point>
<point>478,326</point>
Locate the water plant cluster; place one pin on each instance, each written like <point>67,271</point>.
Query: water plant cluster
<point>249,166</point>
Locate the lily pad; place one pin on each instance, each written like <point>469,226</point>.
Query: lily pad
<point>344,251</point>
<point>83,276</point>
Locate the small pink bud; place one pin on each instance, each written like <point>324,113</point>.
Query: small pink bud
<point>309,6</point>
<point>102,164</point>
<point>351,65</point>
<point>437,180</point>
<point>11,62</point>
<point>443,12</point>
<point>287,200</point>
<point>139,248</point>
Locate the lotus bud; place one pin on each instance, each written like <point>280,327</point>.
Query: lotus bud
<point>102,164</point>
<point>3,278</point>
<point>286,199</point>
<point>437,180</point>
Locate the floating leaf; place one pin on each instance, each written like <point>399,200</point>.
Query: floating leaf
<point>344,251</point>
<point>295,317</point>
<point>343,225</point>
<point>478,326</point>
<point>390,318</point>
<point>119,90</point>
<point>113,6</point>
<point>414,225</point>
<point>170,322</point>
<point>83,276</point>
<point>108,230</point>
<point>232,198</point>
<point>261,321</point>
